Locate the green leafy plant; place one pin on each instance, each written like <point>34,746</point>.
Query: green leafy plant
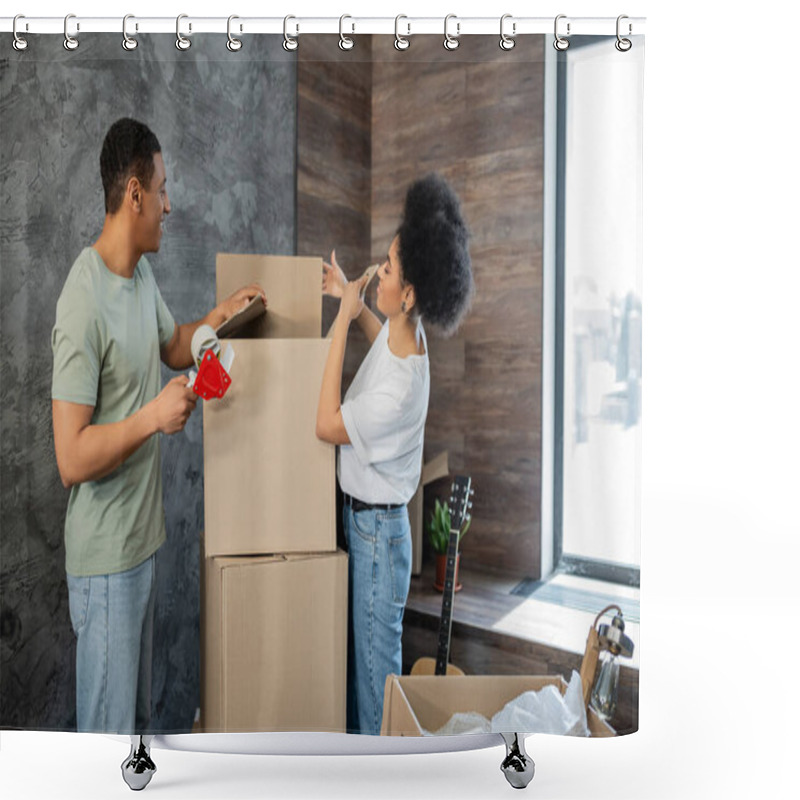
<point>439,528</point>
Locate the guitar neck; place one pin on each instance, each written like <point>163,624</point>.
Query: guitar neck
<point>446,623</point>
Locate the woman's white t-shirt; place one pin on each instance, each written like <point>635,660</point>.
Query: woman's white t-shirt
<point>384,414</point>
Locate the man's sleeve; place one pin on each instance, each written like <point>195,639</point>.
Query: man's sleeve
<point>76,353</point>
<point>373,421</point>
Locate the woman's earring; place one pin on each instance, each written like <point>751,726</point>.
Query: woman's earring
<point>403,306</point>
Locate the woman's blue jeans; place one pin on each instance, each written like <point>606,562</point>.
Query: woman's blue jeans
<point>379,546</point>
<point>112,616</point>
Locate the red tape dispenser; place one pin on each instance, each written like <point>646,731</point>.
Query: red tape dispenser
<point>212,378</point>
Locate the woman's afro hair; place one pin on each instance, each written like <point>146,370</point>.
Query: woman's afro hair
<point>434,252</point>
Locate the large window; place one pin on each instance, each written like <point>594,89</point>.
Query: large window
<point>596,315</point>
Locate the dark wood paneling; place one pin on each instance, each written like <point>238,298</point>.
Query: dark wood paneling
<point>334,103</point>
<point>476,116</point>
<point>366,130</point>
<point>334,123</point>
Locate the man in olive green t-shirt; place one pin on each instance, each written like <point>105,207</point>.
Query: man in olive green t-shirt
<point>112,327</point>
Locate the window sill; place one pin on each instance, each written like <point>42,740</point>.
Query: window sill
<point>487,604</point>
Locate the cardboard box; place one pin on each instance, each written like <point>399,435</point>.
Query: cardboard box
<point>270,484</point>
<point>293,285</point>
<point>436,468</point>
<point>413,703</point>
<point>274,643</point>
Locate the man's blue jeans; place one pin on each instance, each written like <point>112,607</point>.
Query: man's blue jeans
<point>112,616</point>
<point>379,545</point>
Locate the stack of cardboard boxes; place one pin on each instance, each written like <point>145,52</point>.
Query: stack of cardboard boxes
<point>274,586</point>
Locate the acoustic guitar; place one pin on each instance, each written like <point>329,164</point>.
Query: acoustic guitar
<point>460,493</point>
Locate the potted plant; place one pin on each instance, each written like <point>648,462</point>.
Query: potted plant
<point>439,537</point>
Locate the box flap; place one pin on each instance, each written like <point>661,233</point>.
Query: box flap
<point>326,554</point>
<point>398,715</point>
<point>597,727</point>
<point>293,288</point>
<point>237,324</point>
<point>247,560</point>
<point>436,468</point>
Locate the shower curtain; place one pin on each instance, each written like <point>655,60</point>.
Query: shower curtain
<point>536,397</point>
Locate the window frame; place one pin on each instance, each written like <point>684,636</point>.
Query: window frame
<point>553,558</point>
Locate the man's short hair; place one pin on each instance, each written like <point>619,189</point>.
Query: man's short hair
<point>127,152</point>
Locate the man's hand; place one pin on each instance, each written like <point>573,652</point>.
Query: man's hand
<point>174,405</point>
<point>178,353</point>
<point>238,300</point>
<point>87,452</point>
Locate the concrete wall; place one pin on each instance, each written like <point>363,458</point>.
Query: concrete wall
<point>226,123</point>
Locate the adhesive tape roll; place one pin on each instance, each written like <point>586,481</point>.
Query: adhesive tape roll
<point>204,338</point>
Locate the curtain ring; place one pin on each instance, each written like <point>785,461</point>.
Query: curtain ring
<point>623,45</point>
<point>19,43</point>
<point>507,42</point>
<point>181,42</point>
<point>128,42</point>
<point>233,44</point>
<point>289,42</point>
<point>560,43</point>
<point>451,42</point>
<point>70,42</point>
<point>400,42</point>
<point>345,42</point>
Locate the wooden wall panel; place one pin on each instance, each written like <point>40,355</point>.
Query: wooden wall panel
<point>476,116</point>
<point>372,120</point>
<point>334,123</point>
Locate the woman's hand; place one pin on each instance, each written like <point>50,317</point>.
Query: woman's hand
<point>353,299</point>
<point>333,279</point>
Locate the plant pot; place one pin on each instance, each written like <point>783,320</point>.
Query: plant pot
<point>441,573</point>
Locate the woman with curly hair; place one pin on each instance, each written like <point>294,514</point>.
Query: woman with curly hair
<point>380,424</point>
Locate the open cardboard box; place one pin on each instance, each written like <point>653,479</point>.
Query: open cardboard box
<point>274,643</point>
<point>293,288</point>
<point>412,703</point>
<point>270,483</point>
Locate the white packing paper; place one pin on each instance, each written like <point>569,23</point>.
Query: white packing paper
<point>542,711</point>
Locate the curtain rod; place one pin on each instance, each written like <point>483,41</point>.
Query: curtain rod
<point>453,25</point>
